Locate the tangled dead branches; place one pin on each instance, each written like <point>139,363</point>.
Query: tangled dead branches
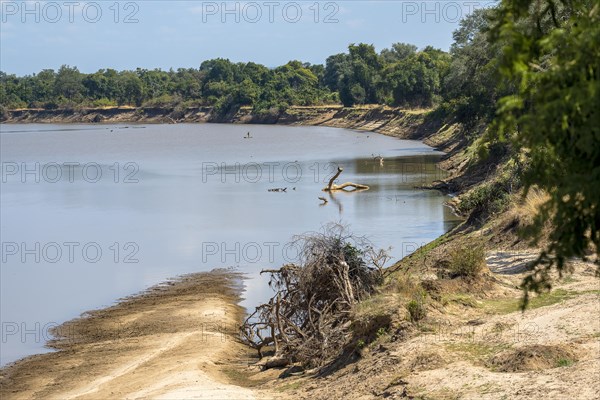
<point>307,320</point>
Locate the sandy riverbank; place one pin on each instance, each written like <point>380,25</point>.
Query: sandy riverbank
<point>174,341</point>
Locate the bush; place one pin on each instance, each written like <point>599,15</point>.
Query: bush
<point>467,261</point>
<point>416,310</point>
<point>104,102</point>
<point>17,104</point>
<point>163,101</point>
<point>492,197</point>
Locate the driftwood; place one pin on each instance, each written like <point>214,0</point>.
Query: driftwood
<point>332,187</point>
<point>307,321</point>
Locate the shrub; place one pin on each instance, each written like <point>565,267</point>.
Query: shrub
<point>467,261</point>
<point>104,102</point>
<point>164,100</point>
<point>416,308</point>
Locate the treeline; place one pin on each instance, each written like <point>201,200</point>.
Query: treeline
<point>218,82</point>
<point>398,76</point>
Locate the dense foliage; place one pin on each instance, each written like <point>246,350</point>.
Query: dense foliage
<point>551,53</point>
<point>398,76</point>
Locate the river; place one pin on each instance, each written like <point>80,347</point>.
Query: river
<point>92,213</point>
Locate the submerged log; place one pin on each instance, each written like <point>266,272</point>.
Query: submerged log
<point>333,187</point>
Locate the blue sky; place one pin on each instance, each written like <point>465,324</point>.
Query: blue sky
<point>164,34</point>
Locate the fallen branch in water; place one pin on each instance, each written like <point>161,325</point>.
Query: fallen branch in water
<point>332,187</point>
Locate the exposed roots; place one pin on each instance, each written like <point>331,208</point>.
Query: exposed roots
<point>307,320</point>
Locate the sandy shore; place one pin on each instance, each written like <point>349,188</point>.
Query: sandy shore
<point>174,341</point>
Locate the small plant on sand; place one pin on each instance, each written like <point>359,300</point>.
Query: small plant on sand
<point>467,261</point>
<point>564,362</point>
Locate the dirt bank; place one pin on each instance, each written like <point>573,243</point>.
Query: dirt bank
<point>387,120</point>
<point>479,346</point>
<point>174,341</point>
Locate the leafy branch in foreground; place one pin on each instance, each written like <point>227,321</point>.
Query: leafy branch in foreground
<point>307,321</point>
<point>552,55</point>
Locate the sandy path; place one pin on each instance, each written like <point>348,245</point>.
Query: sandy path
<point>173,342</point>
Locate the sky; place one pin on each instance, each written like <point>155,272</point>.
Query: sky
<point>91,35</point>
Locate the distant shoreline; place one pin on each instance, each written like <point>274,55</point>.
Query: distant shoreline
<point>405,124</point>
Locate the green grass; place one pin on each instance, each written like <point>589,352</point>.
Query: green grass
<point>507,306</point>
<point>476,352</point>
<point>460,298</point>
<point>565,362</point>
<point>238,377</point>
<point>569,279</point>
<point>291,386</point>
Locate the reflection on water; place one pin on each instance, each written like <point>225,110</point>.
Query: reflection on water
<point>91,213</point>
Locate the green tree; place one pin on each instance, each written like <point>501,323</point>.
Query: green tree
<point>414,81</point>
<point>43,86</point>
<point>554,118</point>
<point>470,85</point>
<point>398,52</point>
<point>336,67</point>
<point>130,89</point>
<point>68,83</point>
<point>9,91</point>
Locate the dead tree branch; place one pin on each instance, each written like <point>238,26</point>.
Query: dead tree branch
<point>332,186</point>
<point>307,320</point>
